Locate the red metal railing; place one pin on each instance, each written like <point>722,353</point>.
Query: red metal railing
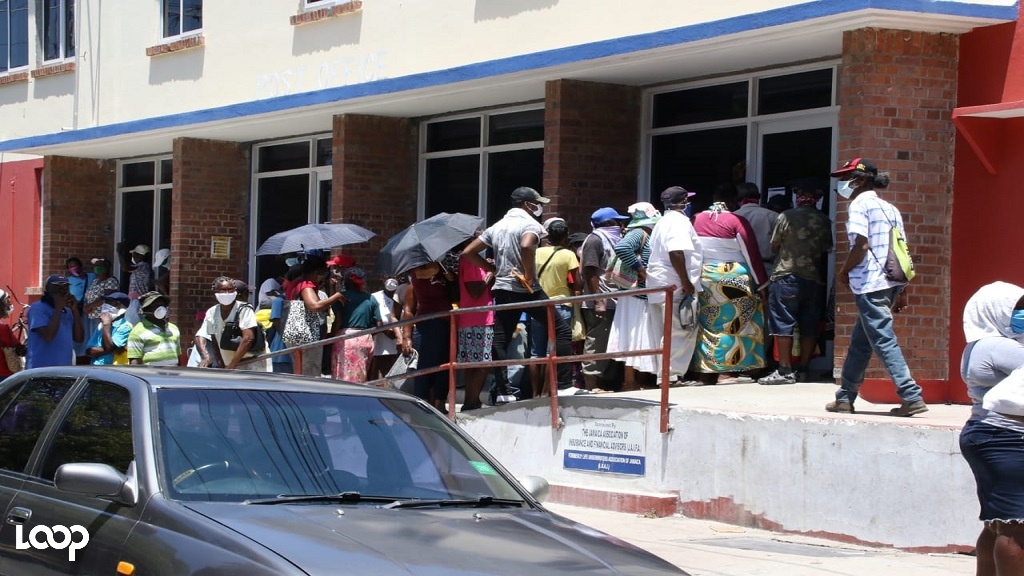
<point>551,360</point>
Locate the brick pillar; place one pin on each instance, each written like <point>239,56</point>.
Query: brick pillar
<point>210,198</point>
<point>78,211</point>
<point>897,92</point>
<point>374,180</point>
<point>591,135</point>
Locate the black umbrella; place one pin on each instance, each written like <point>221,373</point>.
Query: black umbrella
<point>314,237</point>
<point>426,241</point>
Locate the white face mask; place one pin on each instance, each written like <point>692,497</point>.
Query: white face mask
<point>845,190</point>
<point>160,313</point>
<point>225,298</point>
<point>538,210</point>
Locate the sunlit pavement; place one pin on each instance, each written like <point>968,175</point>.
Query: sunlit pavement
<point>705,548</point>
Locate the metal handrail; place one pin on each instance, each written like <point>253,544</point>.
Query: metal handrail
<point>551,360</point>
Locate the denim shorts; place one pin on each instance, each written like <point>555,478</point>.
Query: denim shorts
<point>996,456</point>
<point>794,301</point>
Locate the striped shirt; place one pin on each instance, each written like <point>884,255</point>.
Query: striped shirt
<point>153,345</point>
<point>872,217</point>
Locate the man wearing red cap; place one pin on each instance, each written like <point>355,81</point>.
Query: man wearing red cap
<point>870,220</point>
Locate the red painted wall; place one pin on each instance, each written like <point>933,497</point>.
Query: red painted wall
<point>987,208</point>
<point>19,226</point>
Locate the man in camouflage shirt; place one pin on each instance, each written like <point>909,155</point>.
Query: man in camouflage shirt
<point>801,238</point>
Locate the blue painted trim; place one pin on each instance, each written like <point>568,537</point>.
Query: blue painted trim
<point>538,60</point>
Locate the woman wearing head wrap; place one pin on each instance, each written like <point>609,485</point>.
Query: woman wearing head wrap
<point>351,359</point>
<point>993,443</point>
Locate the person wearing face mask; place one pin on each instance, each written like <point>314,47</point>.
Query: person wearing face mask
<point>154,341</point>
<point>232,306</point>
<point>54,325</point>
<point>802,239</point>
<point>79,281</point>
<point>676,260</point>
<point>110,338</point>
<point>140,279</point>
<point>385,344</point>
<point>869,221</point>
<point>993,443</point>
<point>515,239</point>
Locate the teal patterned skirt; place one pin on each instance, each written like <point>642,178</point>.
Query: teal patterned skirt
<point>731,337</point>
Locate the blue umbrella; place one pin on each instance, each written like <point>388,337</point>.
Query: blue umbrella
<point>314,237</point>
<point>426,241</point>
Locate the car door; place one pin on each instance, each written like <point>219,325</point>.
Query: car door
<point>96,427</point>
<point>26,405</point>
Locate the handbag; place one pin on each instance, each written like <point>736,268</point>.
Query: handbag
<point>899,265</point>
<point>14,363</point>
<point>620,274</point>
<point>579,329</point>
<point>301,325</point>
<point>1007,397</point>
<point>231,336</point>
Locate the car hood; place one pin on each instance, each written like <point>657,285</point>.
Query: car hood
<point>365,539</point>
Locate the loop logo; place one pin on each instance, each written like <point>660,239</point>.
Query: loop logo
<point>58,537</point>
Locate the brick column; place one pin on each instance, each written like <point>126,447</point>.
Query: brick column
<point>210,198</point>
<point>591,135</point>
<point>78,211</point>
<point>897,92</point>
<point>374,179</point>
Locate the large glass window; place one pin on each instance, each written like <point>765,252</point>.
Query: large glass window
<point>58,29</point>
<point>292,187</point>
<point>26,409</point>
<point>13,34</point>
<point>182,16</point>
<point>97,429</point>
<point>472,164</point>
<point>144,204</point>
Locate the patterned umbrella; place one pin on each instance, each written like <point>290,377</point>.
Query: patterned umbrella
<point>426,241</point>
<point>314,237</point>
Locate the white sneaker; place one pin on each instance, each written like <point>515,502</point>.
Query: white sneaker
<point>572,391</point>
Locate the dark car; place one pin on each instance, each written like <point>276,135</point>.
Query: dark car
<point>133,470</point>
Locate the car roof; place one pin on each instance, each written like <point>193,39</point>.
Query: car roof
<point>205,378</point>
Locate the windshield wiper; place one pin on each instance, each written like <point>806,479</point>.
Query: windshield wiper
<point>481,502</point>
<point>343,497</point>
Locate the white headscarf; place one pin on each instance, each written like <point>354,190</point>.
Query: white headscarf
<point>988,311</point>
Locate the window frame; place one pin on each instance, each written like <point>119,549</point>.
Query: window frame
<point>482,150</point>
<point>181,33</point>
<point>5,67</point>
<point>310,5</point>
<point>156,187</point>
<point>751,121</point>
<point>63,54</point>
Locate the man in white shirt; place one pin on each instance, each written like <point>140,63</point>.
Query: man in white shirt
<point>676,261</point>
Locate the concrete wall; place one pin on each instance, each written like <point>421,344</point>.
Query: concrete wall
<point>877,483</point>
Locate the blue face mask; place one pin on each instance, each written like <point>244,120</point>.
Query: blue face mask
<point>688,210</point>
<point>1017,322</point>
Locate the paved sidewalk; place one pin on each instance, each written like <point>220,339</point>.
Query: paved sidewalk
<point>705,548</point>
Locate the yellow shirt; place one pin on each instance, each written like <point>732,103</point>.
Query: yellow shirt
<point>554,279</point>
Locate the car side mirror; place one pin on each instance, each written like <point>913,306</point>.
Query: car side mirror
<point>95,480</point>
<point>536,486</point>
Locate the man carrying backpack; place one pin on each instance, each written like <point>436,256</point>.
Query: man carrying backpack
<point>877,293</point>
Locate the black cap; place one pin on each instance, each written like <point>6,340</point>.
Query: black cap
<point>856,165</point>
<point>527,194</point>
<point>675,195</point>
<point>809,186</point>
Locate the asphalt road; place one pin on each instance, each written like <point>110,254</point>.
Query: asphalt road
<point>705,548</point>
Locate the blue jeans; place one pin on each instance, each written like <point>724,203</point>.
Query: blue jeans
<point>539,332</point>
<point>873,332</point>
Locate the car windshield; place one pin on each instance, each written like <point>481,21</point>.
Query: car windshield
<point>246,445</point>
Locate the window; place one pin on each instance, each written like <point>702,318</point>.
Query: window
<point>25,412</point>
<point>182,16</point>
<point>144,204</point>
<point>58,29</point>
<point>13,34</point>
<point>292,187</point>
<point>472,164</point>
<point>97,429</point>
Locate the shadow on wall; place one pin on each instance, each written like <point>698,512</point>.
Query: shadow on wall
<point>14,94</point>
<point>493,9</point>
<point>50,86</point>
<point>327,34</point>
<point>183,65</point>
